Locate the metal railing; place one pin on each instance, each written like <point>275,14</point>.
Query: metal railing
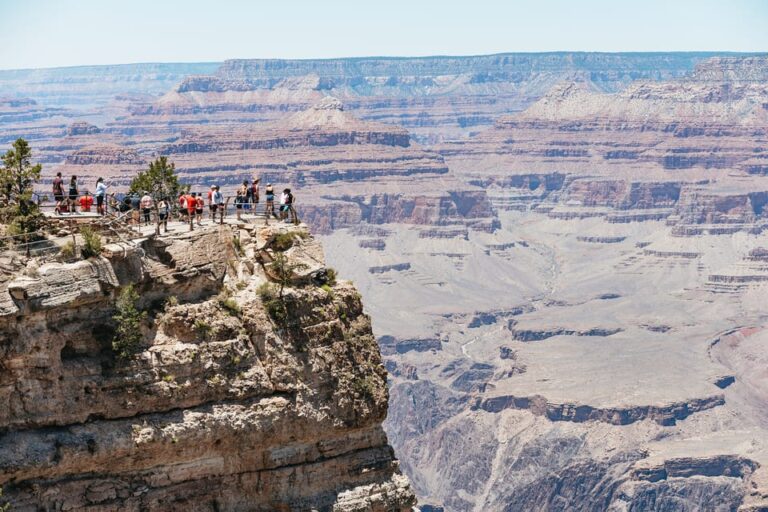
<point>124,223</point>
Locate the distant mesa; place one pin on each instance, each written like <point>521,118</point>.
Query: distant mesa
<point>758,254</point>
<point>82,128</point>
<point>17,102</point>
<point>104,154</point>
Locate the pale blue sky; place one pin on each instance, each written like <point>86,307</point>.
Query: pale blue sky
<point>46,33</point>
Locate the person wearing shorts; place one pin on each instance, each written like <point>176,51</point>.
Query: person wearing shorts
<point>163,209</point>
<point>199,207</point>
<point>218,203</point>
<point>101,195</point>
<point>73,193</point>
<point>239,198</point>
<point>211,203</point>
<point>191,202</point>
<point>58,192</point>
<point>182,207</point>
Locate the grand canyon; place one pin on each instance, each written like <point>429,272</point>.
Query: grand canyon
<point>563,257</point>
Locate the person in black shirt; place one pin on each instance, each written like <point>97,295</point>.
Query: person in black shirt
<point>289,206</point>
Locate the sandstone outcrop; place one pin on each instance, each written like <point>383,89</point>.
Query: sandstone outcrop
<point>224,406</point>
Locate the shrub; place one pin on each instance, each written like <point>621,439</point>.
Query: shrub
<point>327,289</point>
<point>128,318</point>
<point>331,272</point>
<point>171,302</point>
<point>91,243</point>
<point>238,245</point>
<point>4,507</point>
<point>282,242</point>
<point>365,386</point>
<point>203,328</point>
<point>272,302</point>
<point>284,270</point>
<point>230,305</point>
<point>67,251</point>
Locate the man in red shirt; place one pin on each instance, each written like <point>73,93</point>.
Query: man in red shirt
<point>211,205</point>
<point>191,206</point>
<point>86,201</point>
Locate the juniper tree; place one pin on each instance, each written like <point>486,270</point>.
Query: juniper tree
<point>17,179</point>
<point>159,180</point>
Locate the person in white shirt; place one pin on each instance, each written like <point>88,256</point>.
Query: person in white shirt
<point>146,207</point>
<point>101,197</point>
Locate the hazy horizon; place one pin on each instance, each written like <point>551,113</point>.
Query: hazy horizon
<point>393,57</point>
<point>49,34</point>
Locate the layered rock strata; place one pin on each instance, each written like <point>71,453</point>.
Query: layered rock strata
<point>222,407</point>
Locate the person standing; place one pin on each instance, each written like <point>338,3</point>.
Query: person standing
<point>289,207</point>
<point>218,203</point>
<point>282,209</point>
<point>199,208</point>
<point>146,208</point>
<point>163,210</point>
<point>182,207</point>
<point>58,192</point>
<point>191,202</point>
<point>239,198</point>
<point>135,208</point>
<point>101,196</point>
<point>255,192</point>
<point>73,194</point>
<point>269,197</point>
<point>246,193</point>
<point>211,204</point>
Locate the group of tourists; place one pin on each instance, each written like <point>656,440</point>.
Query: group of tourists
<point>69,202</point>
<point>247,197</point>
<point>191,205</point>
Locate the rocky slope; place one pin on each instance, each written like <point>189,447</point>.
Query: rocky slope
<point>226,405</point>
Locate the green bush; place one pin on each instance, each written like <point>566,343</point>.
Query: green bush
<point>128,318</point>
<point>273,303</point>
<point>91,243</point>
<point>230,305</point>
<point>365,386</point>
<point>67,251</point>
<point>284,270</point>
<point>238,245</point>
<point>331,276</point>
<point>282,242</point>
<point>203,328</point>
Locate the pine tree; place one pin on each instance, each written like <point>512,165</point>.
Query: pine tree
<point>17,179</point>
<point>159,180</point>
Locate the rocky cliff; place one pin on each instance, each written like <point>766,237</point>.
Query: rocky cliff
<point>234,399</point>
